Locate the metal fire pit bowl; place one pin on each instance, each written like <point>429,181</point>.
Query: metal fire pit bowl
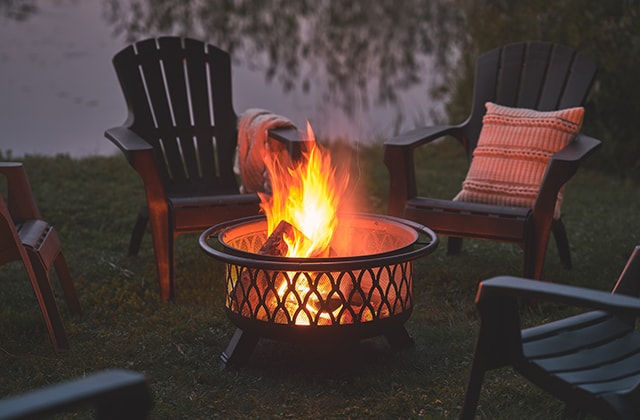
<point>364,289</point>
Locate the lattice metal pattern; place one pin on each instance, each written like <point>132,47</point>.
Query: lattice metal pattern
<point>319,298</point>
<point>327,297</point>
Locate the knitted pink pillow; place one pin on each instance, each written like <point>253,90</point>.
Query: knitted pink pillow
<point>512,154</point>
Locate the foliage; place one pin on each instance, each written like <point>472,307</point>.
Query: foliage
<point>367,52</point>
<point>386,47</point>
<point>18,10</point>
<point>605,31</point>
<point>92,202</point>
<point>304,41</point>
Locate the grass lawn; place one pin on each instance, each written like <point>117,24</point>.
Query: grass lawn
<point>92,202</point>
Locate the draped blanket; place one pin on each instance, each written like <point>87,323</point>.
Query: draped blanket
<point>253,147</point>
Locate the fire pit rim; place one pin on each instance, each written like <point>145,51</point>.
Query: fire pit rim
<point>236,256</point>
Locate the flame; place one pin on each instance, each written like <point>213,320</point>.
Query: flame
<point>307,196</point>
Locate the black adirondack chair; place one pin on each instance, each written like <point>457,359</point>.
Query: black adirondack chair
<point>25,237</point>
<point>181,136</point>
<point>114,394</point>
<point>533,75</point>
<point>590,361</point>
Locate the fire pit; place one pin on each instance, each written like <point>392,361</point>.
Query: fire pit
<point>362,289</point>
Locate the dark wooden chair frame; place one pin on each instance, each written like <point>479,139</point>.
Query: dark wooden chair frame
<point>590,361</point>
<point>181,136</point>
<point>25,237</point>
<point>114,394</point>
<point>535,75</point>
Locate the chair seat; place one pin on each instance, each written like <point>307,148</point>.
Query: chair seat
<point>469,219</point>
<point>193,214</point>
<point>112,393</point>
<point>573,335</point>
<point>595,351</point>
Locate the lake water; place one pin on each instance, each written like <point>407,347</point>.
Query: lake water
<point>58,90</point>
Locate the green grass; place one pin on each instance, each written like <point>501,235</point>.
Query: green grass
<point>92,202</point>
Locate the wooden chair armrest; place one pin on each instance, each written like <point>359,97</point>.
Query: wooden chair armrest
<point>114,393</point>
<point>420,136</point>
<point>127,141</point>
<point>291,138</point>
<point>398,158</point>
<point>8,166</point>
<point>507,286</point>
<point>570,157</point>
<point>20,202</point>
<point>577,150</point>
<point>561,168</point>
<point>140,156</point>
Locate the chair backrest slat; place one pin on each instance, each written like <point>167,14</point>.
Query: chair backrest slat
<point>509,74</point>
<point>197,63</point>
<point>581,76</point>
<point>220,72</point>
<point>485,82</point>
<point>535,75</point>
<point>534,71</point>
<point>182,158</point>
<point>556,80</point>
<point>179,96</point>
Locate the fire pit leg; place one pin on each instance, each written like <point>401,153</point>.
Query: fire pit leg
<point>239,348</point>
<point>399,338</point>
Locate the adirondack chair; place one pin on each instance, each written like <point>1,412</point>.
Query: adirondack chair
<point>25,237</point>
<point>114,394</point>
<point>181,136</point>
<point>531,75</point>
<point>590,361</point>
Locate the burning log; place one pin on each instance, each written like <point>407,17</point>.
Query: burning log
<point>275,245</point>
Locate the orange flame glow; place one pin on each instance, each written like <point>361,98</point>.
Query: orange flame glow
<point>306,196</point>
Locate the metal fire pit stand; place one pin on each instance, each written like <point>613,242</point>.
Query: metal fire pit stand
<point>373,290</point>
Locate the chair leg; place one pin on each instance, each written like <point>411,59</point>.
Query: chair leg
<point>138,231</point>
<point>497,345</point>
<point>41,284</point>
<point>483,351</point>
<point>454,245</point>
<point>535,250</point>
<point>473,392</point>
<point>69,290</point>
<point>562,242</point>
<point>163,244</point>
